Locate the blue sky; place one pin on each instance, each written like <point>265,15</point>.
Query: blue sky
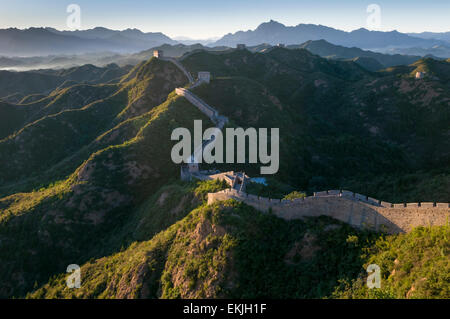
<point>204,19</point>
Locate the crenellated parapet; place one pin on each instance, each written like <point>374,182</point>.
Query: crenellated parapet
<point>377,202</point>
<point>353,208</point>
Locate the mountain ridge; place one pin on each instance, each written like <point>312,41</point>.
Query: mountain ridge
<point>28,42</point>
<point>273,32</point>
<point>46,41</point>
<point>327,49</point>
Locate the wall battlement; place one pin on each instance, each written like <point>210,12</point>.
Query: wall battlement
<point>355,209</point>
<point>377,202</point>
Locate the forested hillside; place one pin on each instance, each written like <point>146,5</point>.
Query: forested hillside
<point>86,178</point>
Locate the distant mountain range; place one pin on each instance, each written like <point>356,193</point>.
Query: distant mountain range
<point>445,36</point>
<point>273,32</point>
<point>189,41</point>
<point>370,60</point>
<point>49,41</point>
<point>45,41</point>
<point>441,51</point>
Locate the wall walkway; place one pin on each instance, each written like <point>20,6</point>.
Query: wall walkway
<point>354,209</point>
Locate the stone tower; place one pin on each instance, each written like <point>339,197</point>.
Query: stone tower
<point>204,77</point>
<point>158,53</point>
<point>420,75</point>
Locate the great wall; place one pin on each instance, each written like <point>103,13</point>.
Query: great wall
<point>355,209</point>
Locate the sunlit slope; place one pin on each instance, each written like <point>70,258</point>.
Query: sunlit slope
<point>66,124</point>
<point>76,216</point>
<point>229,250</point>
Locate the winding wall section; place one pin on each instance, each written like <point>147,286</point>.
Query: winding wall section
<point>355,209</point>
<point>359,212</point>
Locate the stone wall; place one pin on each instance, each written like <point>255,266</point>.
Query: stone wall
<point>204,77</point>
<point>196,101</point>
<point>359,211</point>
<point>181,67</point>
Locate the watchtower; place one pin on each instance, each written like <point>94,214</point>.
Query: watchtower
<point>158,53</point>
<point>204,77</point>
<point>420,75</point>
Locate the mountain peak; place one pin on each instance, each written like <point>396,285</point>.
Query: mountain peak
<point>133,30</point>
<point>320,41</point>
<point>361,30</point>
<point>100,29</point>
<point>271,26</point>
